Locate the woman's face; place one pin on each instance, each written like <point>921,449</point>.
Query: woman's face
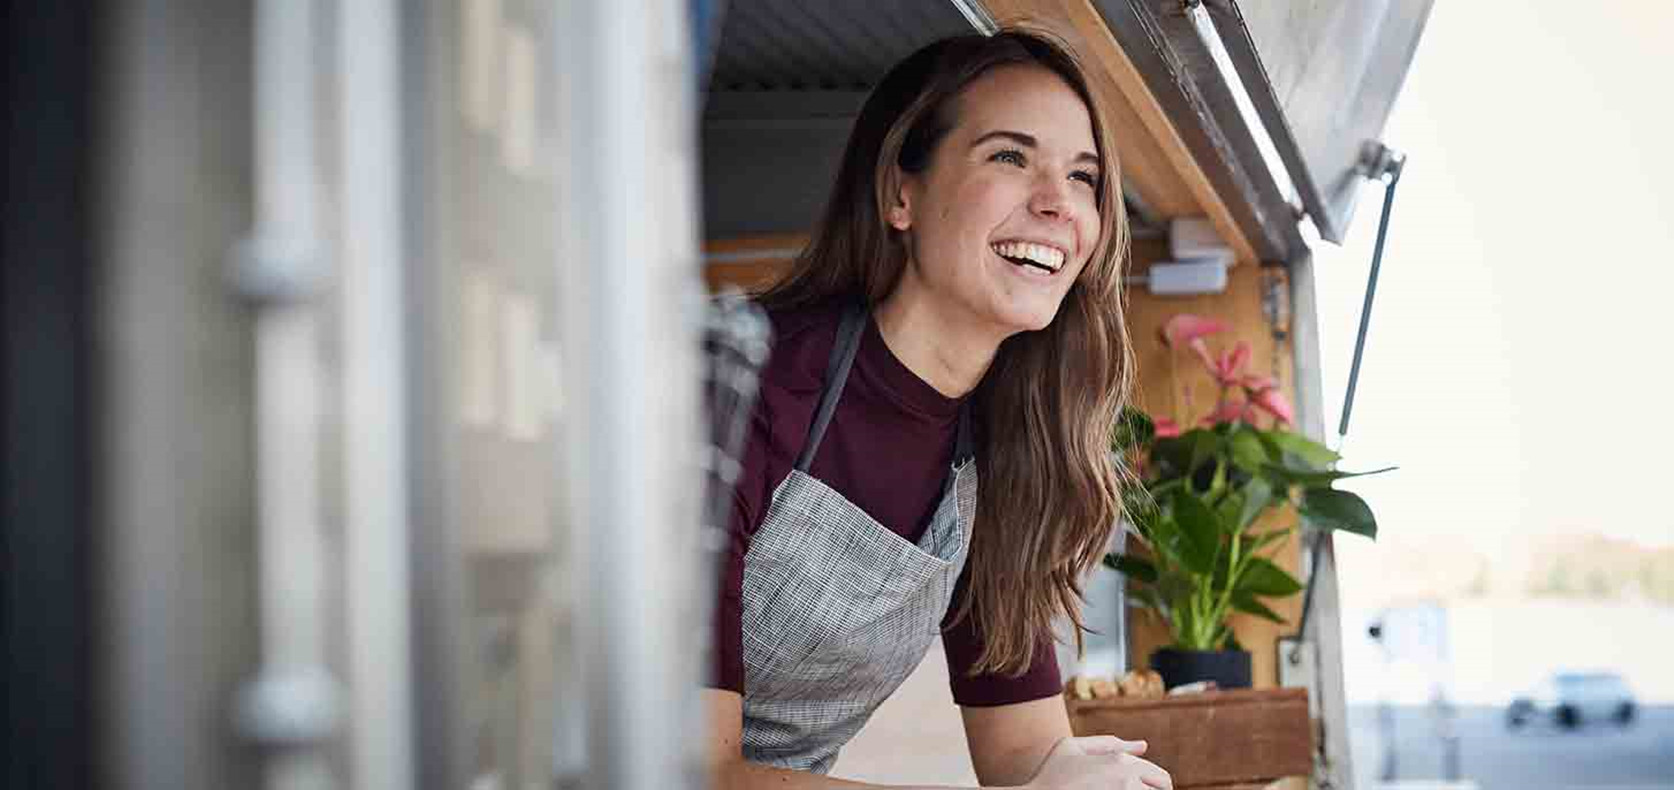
<point>1005,216</point>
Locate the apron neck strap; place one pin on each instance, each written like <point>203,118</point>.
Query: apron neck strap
<point>849,330</point>
<point>963,447</point>
<point>843,351</point>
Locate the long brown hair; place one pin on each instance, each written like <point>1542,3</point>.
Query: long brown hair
<point>1043,412</point>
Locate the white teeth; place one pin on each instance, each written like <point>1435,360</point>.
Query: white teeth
<point>1050,257</point>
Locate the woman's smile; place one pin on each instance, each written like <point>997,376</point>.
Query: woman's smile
<point>1033,259</point>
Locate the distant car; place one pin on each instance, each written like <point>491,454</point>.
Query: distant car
<point>1568,699</point>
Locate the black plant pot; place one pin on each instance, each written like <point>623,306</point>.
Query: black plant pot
<point>1230,669</point>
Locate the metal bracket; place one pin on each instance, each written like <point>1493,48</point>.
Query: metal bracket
<point>1298,667</point>
<point>272,270</point>
<point>289,709</point>
<point>1379,162</point>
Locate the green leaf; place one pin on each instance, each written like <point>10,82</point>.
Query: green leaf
<point>1163,535</point>
<point>1262,577</point>
<point>1223,571</point>
<point>1231,642</point>
<point>1258,496</point>
<point>1182,626</point>
<point>1172,455</point>
<point>1297,451</point>
<point>1200,533</point>
<point>1246,449</point>
<point>1246,603</point>
<point>1139,507</point>
<point>1174,587</point>
<point>1136,568</point>
<point>1180,455</point>
<point>1160,490</point>
<point>1328,508</point>
<point>1314,479</point>
<point>1147,598</point>
<point>1221,635</point>
<point>1229,510</point>
<point>1133,429</point>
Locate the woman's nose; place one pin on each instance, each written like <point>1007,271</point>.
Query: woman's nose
<point>1050,198</point>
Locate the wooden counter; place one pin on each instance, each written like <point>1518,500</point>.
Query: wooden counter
<point>1218,739</point>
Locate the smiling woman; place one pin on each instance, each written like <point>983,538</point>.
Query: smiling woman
<point>956,316</point>
<point>1020,166</point>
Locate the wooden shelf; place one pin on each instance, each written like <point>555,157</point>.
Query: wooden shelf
<point>750,262</point>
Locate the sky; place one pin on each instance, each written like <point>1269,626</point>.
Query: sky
<point>1518,367</point>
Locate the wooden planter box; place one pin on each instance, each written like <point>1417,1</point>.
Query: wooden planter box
<point>1218,739</point>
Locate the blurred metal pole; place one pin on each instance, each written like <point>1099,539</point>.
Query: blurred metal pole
<point>376,533</point>
<point>631,302</point>
<point>291,707</point>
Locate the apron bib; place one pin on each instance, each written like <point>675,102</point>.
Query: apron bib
<point>838,609</point>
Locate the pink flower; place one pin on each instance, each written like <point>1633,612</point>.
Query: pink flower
<point>1273,402</point>
<point>1166,428</point>
<point>1227,368</point>
<point>1185,328</point>
<point>1227,410</point>
<point>1255,383</point>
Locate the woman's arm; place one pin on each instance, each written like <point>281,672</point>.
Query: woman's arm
<point>728,768</point>
<point>1031,743</point>
<point>1101,763</point>
<point>1009,742</point>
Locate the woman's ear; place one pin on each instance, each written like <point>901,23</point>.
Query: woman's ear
<point>900,213</point>
<point>899,218</point>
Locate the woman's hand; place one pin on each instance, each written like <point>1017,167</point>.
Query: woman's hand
<point>1102,762</point>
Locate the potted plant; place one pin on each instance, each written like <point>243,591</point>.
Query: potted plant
<point>1198,513</point>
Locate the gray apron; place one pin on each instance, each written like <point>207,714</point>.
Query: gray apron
<point>838,609</point>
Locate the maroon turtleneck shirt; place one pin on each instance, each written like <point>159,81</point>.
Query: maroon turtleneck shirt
<point>887,450</point>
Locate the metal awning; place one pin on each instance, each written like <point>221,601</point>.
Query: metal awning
<point>1323,76</point>
<point>1319,76</point>
<point>1309,82</point>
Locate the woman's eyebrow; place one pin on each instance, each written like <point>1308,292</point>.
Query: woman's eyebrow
<point>1029,141</point>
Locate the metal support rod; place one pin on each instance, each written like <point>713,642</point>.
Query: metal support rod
<point>278,269</point>
<point>291,707</point>
<point>1383,164</point>
<point>375,518</point>
<point>1314,543</point>
<point>1387,168</point>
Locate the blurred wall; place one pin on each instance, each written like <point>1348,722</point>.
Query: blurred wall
<point>174,366</point>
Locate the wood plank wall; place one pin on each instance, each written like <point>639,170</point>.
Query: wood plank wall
<point>749,263</point>
<point>1241,307</point>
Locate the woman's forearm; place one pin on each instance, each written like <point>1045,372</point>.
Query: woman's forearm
<point>745,775</point>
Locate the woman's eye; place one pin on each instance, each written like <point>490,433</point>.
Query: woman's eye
<point>1009,156</point>
<point>1090,179</point>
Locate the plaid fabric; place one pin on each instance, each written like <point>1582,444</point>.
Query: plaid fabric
<point>837,611</point>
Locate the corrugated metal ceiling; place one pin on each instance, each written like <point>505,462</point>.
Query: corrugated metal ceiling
<point>794,73</point>
<point>840,45</point>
